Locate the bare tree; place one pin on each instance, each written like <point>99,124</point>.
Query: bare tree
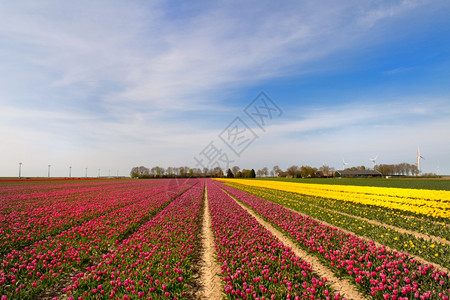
<point>176,171</point>
<point>276,169</point>
<point>326,170</point>
<point>265,171</point>
<point>170,171</point>
<point>217,172</point>
<point>293,171</point>
<point>197,172</point>
<point>414,170</point>
<point>235,170</point>
<point>138,172</point>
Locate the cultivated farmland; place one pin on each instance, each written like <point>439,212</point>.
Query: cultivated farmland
<point>227,239</point>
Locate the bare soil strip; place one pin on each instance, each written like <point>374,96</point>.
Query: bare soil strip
<point>56,290</point>
<point>417,234</point>
<point>401,230</point>
<point>339,285</point>
<point>406,216</point>
<point>419,259</point>
<point>435,222</point>
<point>210,282</point>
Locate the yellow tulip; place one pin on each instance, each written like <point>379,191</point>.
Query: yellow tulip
<point>435,203</point>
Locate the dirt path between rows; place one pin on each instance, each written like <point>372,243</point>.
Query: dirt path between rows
<point>406,216</point>
<point>211,284</point>
<point>416,234</point>
<point>401,230</point>
<point>56,291</point>
<point>339,285</point>
<point>419,259</point>
<point>435,222</point>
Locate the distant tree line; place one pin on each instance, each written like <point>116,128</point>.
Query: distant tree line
<point>234,172</point>
<point>404,169</point>
<point>174,172</point>
<point>294,171</point>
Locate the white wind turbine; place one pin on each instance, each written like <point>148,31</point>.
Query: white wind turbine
<point>418,157</point>
<point>344,164</point>
<point>373,160</point>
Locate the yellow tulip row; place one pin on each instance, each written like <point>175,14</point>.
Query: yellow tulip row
<point>434,203</point>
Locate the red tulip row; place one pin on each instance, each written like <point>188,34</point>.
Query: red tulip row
<point>380,273</point>
<point>255,264</point>
<point>155,262</point>
<point>16,198</point>
<point>26,272</point>
<point>48,213</point>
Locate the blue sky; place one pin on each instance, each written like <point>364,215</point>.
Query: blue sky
<point>110,84</point>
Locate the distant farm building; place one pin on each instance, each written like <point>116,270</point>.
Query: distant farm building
<point>283,174</point>
<point>324,174</point>
<point>358,173</point>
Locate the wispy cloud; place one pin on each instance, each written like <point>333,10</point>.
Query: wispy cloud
<point>107,77</point>
<point>398,70</point>
<point>150,59</point>
<point>354,131</point>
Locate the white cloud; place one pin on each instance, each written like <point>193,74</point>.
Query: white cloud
<point>167,64</point>
<point>356,131</point>
<point>94,82</point>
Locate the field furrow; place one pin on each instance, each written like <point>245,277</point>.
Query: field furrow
<point>155,262</point>
<point>434,204</point>
<point>338,284</point>
<point>436,252</point>
<point>54,213</point>
<point>380,214</point>
<point>254,262</point>
<point>375,270</point>
<point>27,272</point>
<point>188,238</point>
<point>210,283</point>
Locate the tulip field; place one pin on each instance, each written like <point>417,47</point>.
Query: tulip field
<point>144,239</point>
<point>253,261</point>
<point>51,231</point>
<point>381,273</point>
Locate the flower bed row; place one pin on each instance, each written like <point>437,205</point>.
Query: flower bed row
<point>438,253</point>
<point>434,204</point>
<point>254,263</point>
<point>155,262</point>
<point>22,197</point>
<point>26,272</point>
<point>47,214</point>
<point>381,214</point>
<point>381,274</point>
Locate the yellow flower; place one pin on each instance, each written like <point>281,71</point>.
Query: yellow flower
<point>427,202</point>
